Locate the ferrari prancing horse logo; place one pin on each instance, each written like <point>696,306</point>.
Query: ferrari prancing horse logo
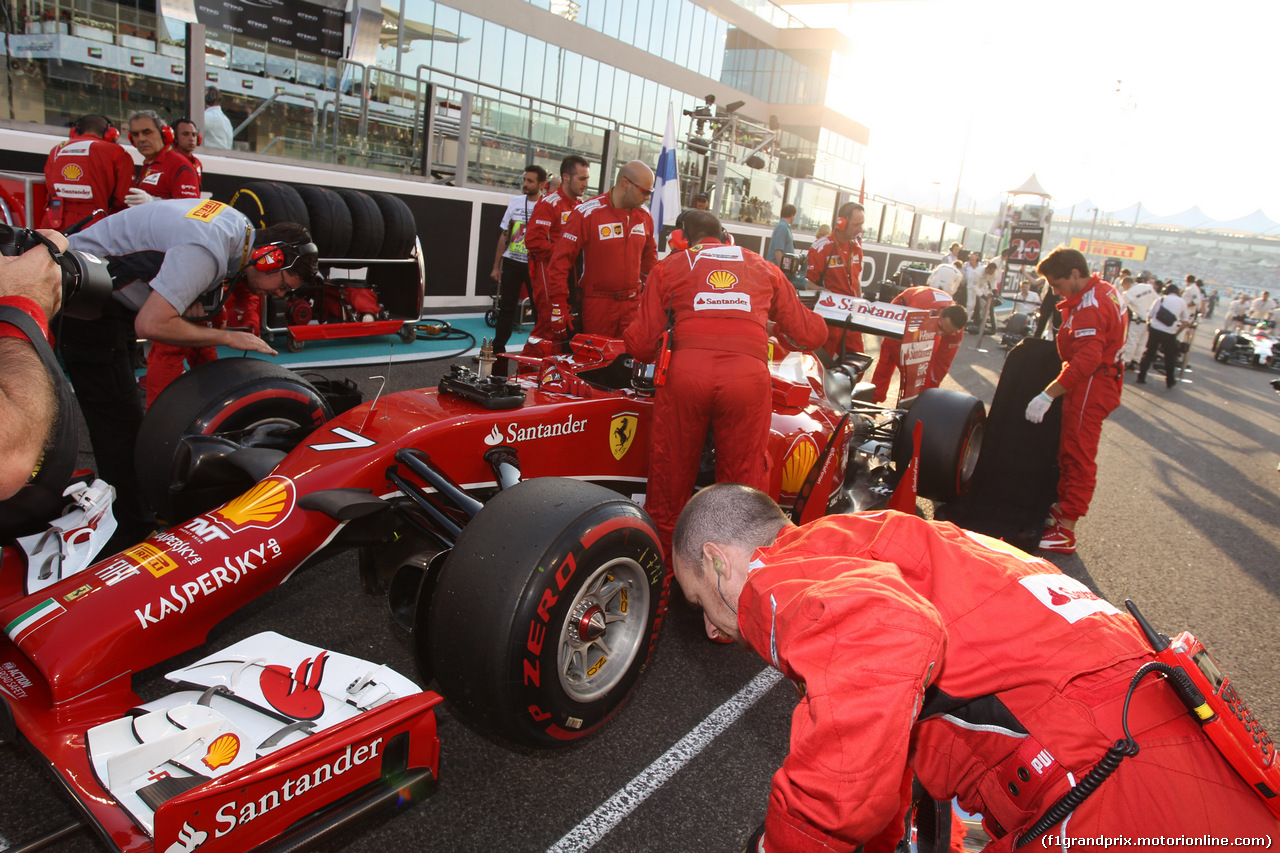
<point>622,431</point>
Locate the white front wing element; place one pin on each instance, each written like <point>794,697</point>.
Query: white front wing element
<point>261,694</point>
<point>73,539</point>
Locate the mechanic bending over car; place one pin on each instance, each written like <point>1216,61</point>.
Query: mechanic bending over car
<point>719,301</point>
<point>1091,342</point>
<point>31,283</point>
<point>987,673</point>
<point>164,257</point>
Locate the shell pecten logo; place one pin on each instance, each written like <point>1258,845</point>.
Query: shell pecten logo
<point>265,505</point>
<point>798,462</point>
<point>72,172</point>
<point>222,751</point>
<point>722,279</point>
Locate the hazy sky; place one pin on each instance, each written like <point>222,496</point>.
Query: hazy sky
<point>1164,102</point>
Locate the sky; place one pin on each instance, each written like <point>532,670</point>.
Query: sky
<point>1163,102</point>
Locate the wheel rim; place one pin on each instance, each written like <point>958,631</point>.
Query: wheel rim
<point>604,630</point>
<point>969,457</point>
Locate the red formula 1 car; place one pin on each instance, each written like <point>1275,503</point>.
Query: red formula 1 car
<point>496,512</point>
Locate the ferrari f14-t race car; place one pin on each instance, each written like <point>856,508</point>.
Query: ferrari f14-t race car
<point>1257,346</point>
<point>500,514</point>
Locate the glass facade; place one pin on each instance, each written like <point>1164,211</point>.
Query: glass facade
<point>770,74</point>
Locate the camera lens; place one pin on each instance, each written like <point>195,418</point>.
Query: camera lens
<point>86,285</point>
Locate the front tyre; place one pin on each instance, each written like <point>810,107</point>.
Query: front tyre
<point>951,442</point>
<point>546,611</point>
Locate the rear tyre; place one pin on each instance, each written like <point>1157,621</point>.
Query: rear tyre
<point>367,229</point>
<point>230,398</point>
<point>330,220</point>
<point>400,228</point>
<point>546,611</point>
<point>269,202</point>
<point>950,444</point>
<point>1226,344</point>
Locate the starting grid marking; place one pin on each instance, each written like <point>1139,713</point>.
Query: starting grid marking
<point>585,835</point>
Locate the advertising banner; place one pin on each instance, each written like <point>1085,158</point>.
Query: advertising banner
<point>1125,251</point>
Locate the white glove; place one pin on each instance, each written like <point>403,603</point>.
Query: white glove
<point>136,196</point>
<point>1038,406</point>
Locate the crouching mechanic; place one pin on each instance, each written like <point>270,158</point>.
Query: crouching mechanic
<point>719,300</point>
<point>162,258</point>
<point>946,343</point>
<point>990,674</point>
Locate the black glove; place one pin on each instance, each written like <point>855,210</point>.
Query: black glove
<point>753,843</point>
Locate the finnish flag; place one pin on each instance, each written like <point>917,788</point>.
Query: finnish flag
<point>665,203</point>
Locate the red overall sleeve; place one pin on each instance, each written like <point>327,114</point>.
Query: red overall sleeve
<point>186,183</point>
<point>945,348</point>
<point>1086,348</point>
<point>650,321</point>
<point>537,233</point>
<point>650,257</point>
<point>817,259</point>
<point>864,646</point>
<point>121,181</point>
<point>565,255</point>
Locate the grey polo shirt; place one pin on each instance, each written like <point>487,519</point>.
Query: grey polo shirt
<point>179,248</point>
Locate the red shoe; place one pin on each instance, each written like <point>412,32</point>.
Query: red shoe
<point>1058,539</point>
<point>1054,516</point>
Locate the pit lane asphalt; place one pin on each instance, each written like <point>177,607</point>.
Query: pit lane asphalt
<point>1183,521</point>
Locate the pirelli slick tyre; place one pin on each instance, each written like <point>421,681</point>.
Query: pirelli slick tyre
<point>546,611</point>
<point>367,228</point>
<point>1223,348</point>
<point>243,401</point>
<point>949,444</point>
<point>269,202</point>
<point>330,220</point>
<point>400,230</point>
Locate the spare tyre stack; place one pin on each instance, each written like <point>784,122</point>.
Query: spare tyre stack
<point>353,230</point>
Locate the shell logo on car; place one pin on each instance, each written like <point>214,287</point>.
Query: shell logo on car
<point>722,279</point>
<point>800,458</point>
<point>72,172</point>
<point>222,751</point>
<point>265,505</point>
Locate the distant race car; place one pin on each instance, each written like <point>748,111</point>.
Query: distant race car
<point>499,514</point>
<point>1256,346</point>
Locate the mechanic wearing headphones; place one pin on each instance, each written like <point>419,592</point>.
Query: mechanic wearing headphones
<point>991,675</point>
<point>835,264</point>
<point>165,173</point>
<point>88,175</point>
<point>719,300</point>
<point>162,258</point>
<point>946,342</point>
<point>186,139</point>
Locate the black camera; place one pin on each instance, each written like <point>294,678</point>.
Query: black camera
<point>86,284</point>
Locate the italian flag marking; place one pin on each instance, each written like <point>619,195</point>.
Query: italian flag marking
<point>33,618</point>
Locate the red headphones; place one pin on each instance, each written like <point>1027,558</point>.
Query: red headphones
<point>842,224</point>
<point>275,256</point>
<point>166,134</point>
<point>199,135</point>
<point>111,134</point>
<point>677,242</point>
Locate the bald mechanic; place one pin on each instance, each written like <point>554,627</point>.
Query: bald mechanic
<point>162,258</point>
<point>546,224</point>
<point>835,264</point>
<point>946,342</point>
<point>993,676</point>
<point>613,233</point>
<point>723,300</point>
<point>1091,342</point>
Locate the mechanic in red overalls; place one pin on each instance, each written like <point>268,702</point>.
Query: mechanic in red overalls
<point>546,223</point>
<point>186,139</point>
<point>613,233</point>
<point>166,173</point>
<point>87,176</point>
<point>835,264</point>
<point>722,298</point>
<point>946,343</point>
<point>1091,343</point>
<point>993,676</point>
